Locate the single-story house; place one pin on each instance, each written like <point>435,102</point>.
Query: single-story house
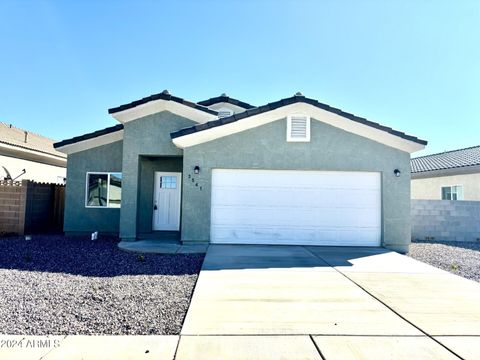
<point>28,156</point>
<point>294,171</point>
<point>450,175</point>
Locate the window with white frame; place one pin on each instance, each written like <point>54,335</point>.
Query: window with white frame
<point>452,192</point>
<point>103,189</point>
<point>298,128</point>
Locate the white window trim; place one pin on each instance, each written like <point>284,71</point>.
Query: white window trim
<point>289,128</point>
<point>451,186</point>
<point>108,190</point>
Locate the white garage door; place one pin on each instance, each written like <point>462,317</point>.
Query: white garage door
<point>295,207</point>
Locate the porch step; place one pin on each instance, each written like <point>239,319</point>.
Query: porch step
<point>161,235</point>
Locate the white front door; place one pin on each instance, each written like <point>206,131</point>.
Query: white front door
<point>296,207</point>
<point>166,201</point>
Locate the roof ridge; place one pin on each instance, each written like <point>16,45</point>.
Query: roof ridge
<point>225,98</point>
<point>164,95</point>
<point>445,152</point>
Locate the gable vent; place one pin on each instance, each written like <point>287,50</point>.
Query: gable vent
<point>224,112</point>
<point>298,128</point>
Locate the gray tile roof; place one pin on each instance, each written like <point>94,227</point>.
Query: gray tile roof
<point>227,99</point>
<point>88,136</point>
<point>291,100</point>
<point>250,111</point>
<point>23,139</point>
<point>164,95</point>
<point>447,160</point>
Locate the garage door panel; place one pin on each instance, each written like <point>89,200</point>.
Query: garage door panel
<point>316,217</point>
<point>278,178</point>
<point>296,207</point>
<point>320,197</point>
<point>288,235</point>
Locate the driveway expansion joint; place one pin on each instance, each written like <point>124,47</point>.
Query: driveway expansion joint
<point>267,297</point>
<point>386,305</point>
<point>316,347</point>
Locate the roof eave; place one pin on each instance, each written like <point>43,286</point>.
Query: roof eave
<point>458,170</point>
<point>20,149</point>
<point>90,140</point>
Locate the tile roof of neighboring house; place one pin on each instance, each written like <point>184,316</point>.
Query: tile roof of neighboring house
<point>23,139</point>
<point>88,136</point>
<point>226,99</point>
<point>164,95</point>
<point>447,160</point>
<point>291,100</point>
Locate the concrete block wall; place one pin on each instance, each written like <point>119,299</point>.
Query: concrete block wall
<point>12,206</point>
<point>30,207</point>
<point>445,220</point>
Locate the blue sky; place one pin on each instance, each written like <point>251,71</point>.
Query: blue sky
<point>411,65</point>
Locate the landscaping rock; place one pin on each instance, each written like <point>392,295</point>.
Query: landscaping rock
<point>460,258</point>
<point>59,285</point>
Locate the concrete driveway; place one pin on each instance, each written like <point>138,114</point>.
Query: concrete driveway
<point>297,302</point>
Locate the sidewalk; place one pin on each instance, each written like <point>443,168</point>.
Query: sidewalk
<point>79,347</point>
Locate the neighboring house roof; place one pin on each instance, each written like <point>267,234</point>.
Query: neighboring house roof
<point>25,140</point>
<point>89,136</point>
<point>164,95</point>
<point>224,98</point>
<point>298,98</point>
<point>460,158</point>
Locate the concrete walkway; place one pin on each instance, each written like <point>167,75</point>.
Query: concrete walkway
<point>294,302</point>
<point>82,347</point>
<point>155,246</point>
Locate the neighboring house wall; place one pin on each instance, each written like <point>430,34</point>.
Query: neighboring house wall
<point>445,220</point>
<point>431,188</point>
<point>147,136</point>
<point>78,218</point>
<point>330,148</point>
<point>35,171</point>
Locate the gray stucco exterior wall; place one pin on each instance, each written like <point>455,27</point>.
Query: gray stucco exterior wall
<point>78,218</point>
<point>147,136</point>
<point>265,147</point>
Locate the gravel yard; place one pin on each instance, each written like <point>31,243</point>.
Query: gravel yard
<point>58,285</point>
<point>460,258</point>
